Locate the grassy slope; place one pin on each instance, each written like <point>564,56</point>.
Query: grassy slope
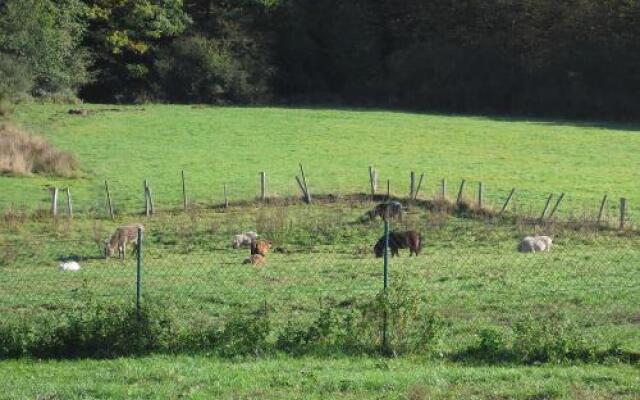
<point>231,145</point>
<point>198,377</point>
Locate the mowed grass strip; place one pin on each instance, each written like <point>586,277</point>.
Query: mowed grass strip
<point>217,146</point>
<point>201,377</point>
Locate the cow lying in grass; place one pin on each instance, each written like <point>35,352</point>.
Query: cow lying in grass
<point>243,239</point>
<point>533,244</point>
<point>400,240</point>
<point>255,259</point>
<point>260,247</point>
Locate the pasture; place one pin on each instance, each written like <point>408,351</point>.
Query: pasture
<point>217,146</point>
<point>469,273</point>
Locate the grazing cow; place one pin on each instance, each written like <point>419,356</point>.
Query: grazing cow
<point>255,259</point>
<point>533,244</point>
<point>391,209</point>
<point>400,240</point>
<point>120,238</point>
<point>243,239</point>
<point>260,246</point>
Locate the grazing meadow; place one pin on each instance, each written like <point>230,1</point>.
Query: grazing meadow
<point>469,317</point>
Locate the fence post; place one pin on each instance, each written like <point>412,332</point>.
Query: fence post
<point>139,272</point>
<point>150,200</point>
<point>601,210</point>
<point>555,207</point>
<point>263,186</point>
<point>443,189</point>
<point>385,327</point>
<point>506,203</point>
<point>623,211</point>
<point>54,201</point>
<point>184,193</point>
<point>460,192</point>
<point>147,210</point>
<point>306,187</point>
<point>546,206</point>
<point>69,204</point>
<point>412,184</point>
<point>388,189</point>
<point>372,181</point>
<point>226,199</point>
<point>415,195</point>
<point>106,188</point>
<point>480,190</point>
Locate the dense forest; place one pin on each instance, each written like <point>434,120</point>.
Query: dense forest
<point>578,58</point>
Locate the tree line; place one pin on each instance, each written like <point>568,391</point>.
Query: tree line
<point>573,57</point>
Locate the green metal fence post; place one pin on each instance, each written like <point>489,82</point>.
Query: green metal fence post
<point>385,323</point>
<point>139,272</point>
<point>386,254</point>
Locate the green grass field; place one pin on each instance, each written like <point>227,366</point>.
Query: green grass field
<point>200,377</point>
<point>231,145</point>
<point>469,272</point>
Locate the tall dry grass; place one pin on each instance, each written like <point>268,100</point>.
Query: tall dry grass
<point>22,153</point>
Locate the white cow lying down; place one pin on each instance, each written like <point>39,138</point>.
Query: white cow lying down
<point>69,266</point>
<point>244,239</point>
<point>532,244</point>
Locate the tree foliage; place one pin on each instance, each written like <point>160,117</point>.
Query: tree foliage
<point>40,46</point>
<point>573,57</point>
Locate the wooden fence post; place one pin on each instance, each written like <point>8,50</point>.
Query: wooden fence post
<point>263,186</point>
<point>601,210</point>
<point>150,199</point>
<point>388,189</point>
<point>443,189</point>
<point>306,187</point>
<point>376,177</point>
<point>460,192</point>
<point>546,206</point>
<point>415,195</point>
<point>372,181</point>
<point>54,201</point>
<point>623,212</point>
<point>69,204</point>
<point>184,193</point>
<point>147,210</point>
<point>506,203</point>
<point>301,186</point>
<point>555,207</point>
<point>412,184</point>
<point>106,188</point>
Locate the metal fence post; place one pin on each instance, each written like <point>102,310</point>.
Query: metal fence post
<point>139,273</point>
<point>385,322</point>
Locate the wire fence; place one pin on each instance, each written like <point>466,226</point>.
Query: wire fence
<point>122,197</point>
<point>469,271</point>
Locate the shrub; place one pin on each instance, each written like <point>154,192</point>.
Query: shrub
<point>22,153</point>
<point>547,339</point>
<point>551,339</point>
<point>95,330</point>
<point>412,328</point>
<point>244,336</point>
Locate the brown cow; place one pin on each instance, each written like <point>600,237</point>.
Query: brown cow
<point>255,259</point>
<point>400,240</point>
<point>260,246</point>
